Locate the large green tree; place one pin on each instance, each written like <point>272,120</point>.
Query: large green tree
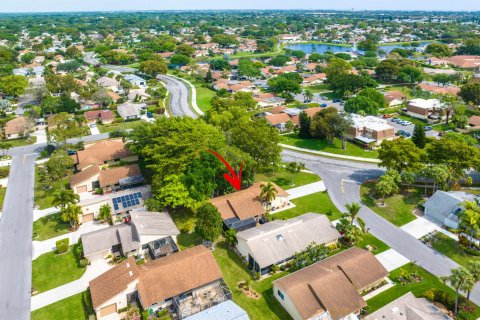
<point>209,222</point>
<point>13,85</point>
<point>400,154</point>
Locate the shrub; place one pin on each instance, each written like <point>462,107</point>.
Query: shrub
<point>274,269</point>
<point>62,245</point>
<point>83,263</point>
<point>98,191</point>
<point>333,246</point>
<point>4,172</point>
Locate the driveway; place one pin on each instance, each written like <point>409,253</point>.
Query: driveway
<point>94,130</point>
<point>391,259</point>
<point>342,180</point>
<point>179,100</point>
<point>306,190</point>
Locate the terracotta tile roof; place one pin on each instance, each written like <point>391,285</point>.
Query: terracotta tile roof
<point>333,284</point>
<point>243,204</point>
<point>393,95</point>
<point>15,126</point>
<point>312,111</point>
<point>104,115</point>
<point>114,281</point>
<point>278,118</point>
<point>84,175</point>
<point>99,152</point>
<point>176,274</point>
<point>112,176</point>
<point>277,109</point>
<point>474,121</point>
<point>438,89</point>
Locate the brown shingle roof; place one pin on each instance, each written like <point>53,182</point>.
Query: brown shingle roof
<point>474,121</point>
<point>323,285</point>
<point>243,204</point>
<point>395,94</point>
<point>15,126</point>
<point>114,281</point>
<point>99,152</point>
<point>105,115</point>
<point>112,176</point>
<point>84,175</point>
<point>312,111</point>
<point>177,273</point>
<point>278,118</point>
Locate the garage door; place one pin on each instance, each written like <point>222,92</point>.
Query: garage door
<point>108,310</point>
<point>87,217</point>
<point>81,189</point>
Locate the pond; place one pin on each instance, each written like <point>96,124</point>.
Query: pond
<point>335,48</point>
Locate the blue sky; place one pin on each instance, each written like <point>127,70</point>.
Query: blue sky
<point>114,5</point>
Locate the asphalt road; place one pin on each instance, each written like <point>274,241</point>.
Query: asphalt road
<point>342,180</point>
<point>16,240</point>
<point>16,232</point>
<point>179,104</point>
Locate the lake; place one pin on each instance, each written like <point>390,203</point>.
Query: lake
<point>322,48</point>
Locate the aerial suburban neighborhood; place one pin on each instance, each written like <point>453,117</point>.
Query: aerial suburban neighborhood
<point>239,161</point>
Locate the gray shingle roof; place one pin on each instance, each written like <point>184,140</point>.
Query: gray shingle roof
<point>105,239</point>
<point>153,223</point>
<point>445,203</point>
<point>278,240</point>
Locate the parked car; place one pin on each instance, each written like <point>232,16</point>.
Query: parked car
<point>323,105</point>
<point>407,134</point>
<point>149,114</point>
<point>395,120</point>
<point>337,100</point>
<point>93,125</point>
<point>71,152</point>
<point>440,134</point>
<point>428,128</point>
<point>406,123</point>
<point>399,133</point>
<point>386,116</point>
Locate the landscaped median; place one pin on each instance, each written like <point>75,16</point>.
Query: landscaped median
<point>323,148</point>
<point>281,177</point>
<point>74,307</point>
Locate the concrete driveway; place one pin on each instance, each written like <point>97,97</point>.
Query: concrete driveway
<point>391,259</point>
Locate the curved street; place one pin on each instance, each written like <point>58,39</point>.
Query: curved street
<point>179,100</point>
<point>342,180</point>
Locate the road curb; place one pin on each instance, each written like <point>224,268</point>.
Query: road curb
<point>328,155</point>
<point>193,93</point>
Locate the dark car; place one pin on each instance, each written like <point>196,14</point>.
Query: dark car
<point>428,128</point>
<point>323,105</point>
<point>71,152</point>
<point>337,100</point>
<point>149,114</point>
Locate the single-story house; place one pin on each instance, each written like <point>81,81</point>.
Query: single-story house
<point>15,128</point>
<point>331,288</point>
<point>110,179</point>
<point>109,83</point>
<point>278,120</point>
<point>242,210</point>
<point>409,307</point>
<point>423,108</point>
<point>276,242</point>
<point>145,231</point>
<point>122,203</point>
<point>136,80</point>
<point>101,153</point>
<point>104,116</point>
<point>436,89</point>
<point>369,130</point>
<point>188,281</point>
<point>394,98</point>
<point>138,95</point>
<point>445,207</point>
<point>129,110</point>
<point>26,72</point>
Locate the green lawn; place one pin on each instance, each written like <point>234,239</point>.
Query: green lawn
<point>204,96</point>
<point>369,239</point>
<point>443,127</point>
<point>43,198</point>
<point>451,249</point>
<point>21,141</point>
<point>49,227</point>
<point>284,179</point>
<point>398,208</point>
<point>72,308</point>
<point>106,128</point>
<point>323,145</point>
<point>51,270</point>
<point>317,202</point>
<point>234,271</point>
<point>418,289</point>
<point>330,95</point>
<point>3,191</point>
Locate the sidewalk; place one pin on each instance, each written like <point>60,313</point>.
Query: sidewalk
<point>75,287</point>
<point>41,247</point>
<point>391,259</point>
<point>329,155</point>
<point>37,213</point>
<point>306,190</point>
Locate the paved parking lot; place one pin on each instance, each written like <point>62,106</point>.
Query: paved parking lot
<point>409,128</point>
<point>318,98</point>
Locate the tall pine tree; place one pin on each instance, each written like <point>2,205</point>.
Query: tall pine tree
<point>304,120</point>
<point>419,137</point>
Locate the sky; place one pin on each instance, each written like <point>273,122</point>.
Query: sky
<point>119,5</point>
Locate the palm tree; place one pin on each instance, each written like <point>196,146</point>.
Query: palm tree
<point>308,94</point>
<point>470,218</point>
<point>63,198</point>
<point>70,214</point>
<point>105,212</point>
<point>460,280</point>
<point>268,193</point>
<point>474,268</point>
<point>353,209</point>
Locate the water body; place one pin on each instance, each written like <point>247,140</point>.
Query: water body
<point>322,48</point>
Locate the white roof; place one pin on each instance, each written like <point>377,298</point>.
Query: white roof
<point>425,103</point>
<point>130,109</point>
<point>370,122</point>
<point>281,239</point>
<point>153,223</point>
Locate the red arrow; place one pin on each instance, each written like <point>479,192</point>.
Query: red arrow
<point>235,181</point>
